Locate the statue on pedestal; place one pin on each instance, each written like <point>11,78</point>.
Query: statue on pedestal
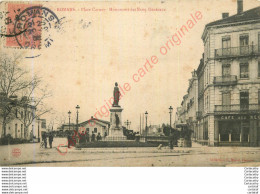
<point>117,95</point>
<point>116,128</point>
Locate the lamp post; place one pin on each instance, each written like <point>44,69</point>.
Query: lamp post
<point>170,136</point>
<point>69,119</point>
<point>127,123</point>
<point>146,115</point>
<point>170,108</point>
<point>77,121</point>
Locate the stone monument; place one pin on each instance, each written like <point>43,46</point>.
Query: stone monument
<point>116,129</point>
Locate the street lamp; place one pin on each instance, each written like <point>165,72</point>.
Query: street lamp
<point>170,136</point>
<point>69,119</point>
<point>146,115</point>
<point>127,123</point>
<point>77,122</point>
<point>170,118</point>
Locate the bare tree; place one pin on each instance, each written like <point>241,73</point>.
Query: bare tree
<point>11,82</point>
<point>17,81</point>
<point>31,106</point>
<point>57,119</point>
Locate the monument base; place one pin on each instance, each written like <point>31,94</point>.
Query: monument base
<point>116,130</point>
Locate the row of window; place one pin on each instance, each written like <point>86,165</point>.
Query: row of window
<point>23,113</point>
<point>244,98</point>
<point>244,70</point>
<point>95,130</point>
<point>243,41</point>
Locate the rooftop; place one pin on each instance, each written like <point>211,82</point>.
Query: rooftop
<point>95,119</point>
<point>251,14</point>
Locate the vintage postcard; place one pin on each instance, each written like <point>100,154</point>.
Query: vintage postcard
<point>130,83</point>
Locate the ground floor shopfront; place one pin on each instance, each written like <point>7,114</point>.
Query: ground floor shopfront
<point>230,130</point>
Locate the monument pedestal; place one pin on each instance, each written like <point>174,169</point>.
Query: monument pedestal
<point>116,129</point>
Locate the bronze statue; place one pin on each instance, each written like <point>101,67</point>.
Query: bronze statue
<point>116,95</point>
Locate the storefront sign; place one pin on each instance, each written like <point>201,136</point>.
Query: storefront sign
<point>238,117</point>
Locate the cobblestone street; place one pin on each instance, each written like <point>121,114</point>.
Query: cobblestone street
<point>33,155</point>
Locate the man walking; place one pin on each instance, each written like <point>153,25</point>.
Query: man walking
<point>50,139</point>
<point>93,136</point>
<point>44,139</point>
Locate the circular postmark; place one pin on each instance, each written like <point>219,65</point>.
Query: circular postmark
<point>16,152</point>
<point>34,26</point>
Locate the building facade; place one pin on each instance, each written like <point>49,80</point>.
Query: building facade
<point>21,122</point>
<point>95,126</point>
<point>229,81</point>
<point>186,114</point>
<point>232,79</point>
<point>192,104</point>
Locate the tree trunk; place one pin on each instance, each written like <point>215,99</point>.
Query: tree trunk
<point>4,127</point>
<point>25,132</point>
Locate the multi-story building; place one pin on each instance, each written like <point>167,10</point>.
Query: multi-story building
<point>192,103</point>
<point>202,130</point>
<point>228,82</point>
<point>21,122</point>
<point>231,80</point>
<point>186,114</point>
<point>178,116</point>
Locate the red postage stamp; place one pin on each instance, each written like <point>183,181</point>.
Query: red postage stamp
<point>29,26</point>
<point>23,25</point>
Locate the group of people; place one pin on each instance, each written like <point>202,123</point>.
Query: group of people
<point>84,137</point>
<point>94,137</point>
<point>50,138</point>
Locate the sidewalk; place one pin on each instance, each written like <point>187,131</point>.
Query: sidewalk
<point>124,150</point>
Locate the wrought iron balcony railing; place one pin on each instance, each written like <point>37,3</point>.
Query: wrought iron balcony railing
<point>250,50</point>
<point>237,108</point>
<point>225,80</point>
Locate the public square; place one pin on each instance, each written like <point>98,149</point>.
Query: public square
<point>32,155</point>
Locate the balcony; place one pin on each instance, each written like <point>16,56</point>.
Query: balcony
<point>238,108</point>
<point>225,80</point>
<point>242,51</point>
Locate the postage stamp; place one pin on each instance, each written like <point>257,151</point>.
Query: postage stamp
<point>29,26</point>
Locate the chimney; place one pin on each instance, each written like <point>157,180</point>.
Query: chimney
<point>225,15</point>
<point>239,6</point>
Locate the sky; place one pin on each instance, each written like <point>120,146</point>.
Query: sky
<point>95,49</point>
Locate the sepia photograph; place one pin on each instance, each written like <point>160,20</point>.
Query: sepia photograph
<point>130,83</point>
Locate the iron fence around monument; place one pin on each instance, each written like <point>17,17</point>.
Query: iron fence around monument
<point>115,139</point>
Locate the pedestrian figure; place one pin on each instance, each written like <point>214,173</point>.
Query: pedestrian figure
<point>105,134</point>
<point>50,139</point>
<point>93,136</point>
<point>99,137</point>
<point>69,139</point>
<point>87,136</point>
<point>44,139</point>
<point>171,141</point>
